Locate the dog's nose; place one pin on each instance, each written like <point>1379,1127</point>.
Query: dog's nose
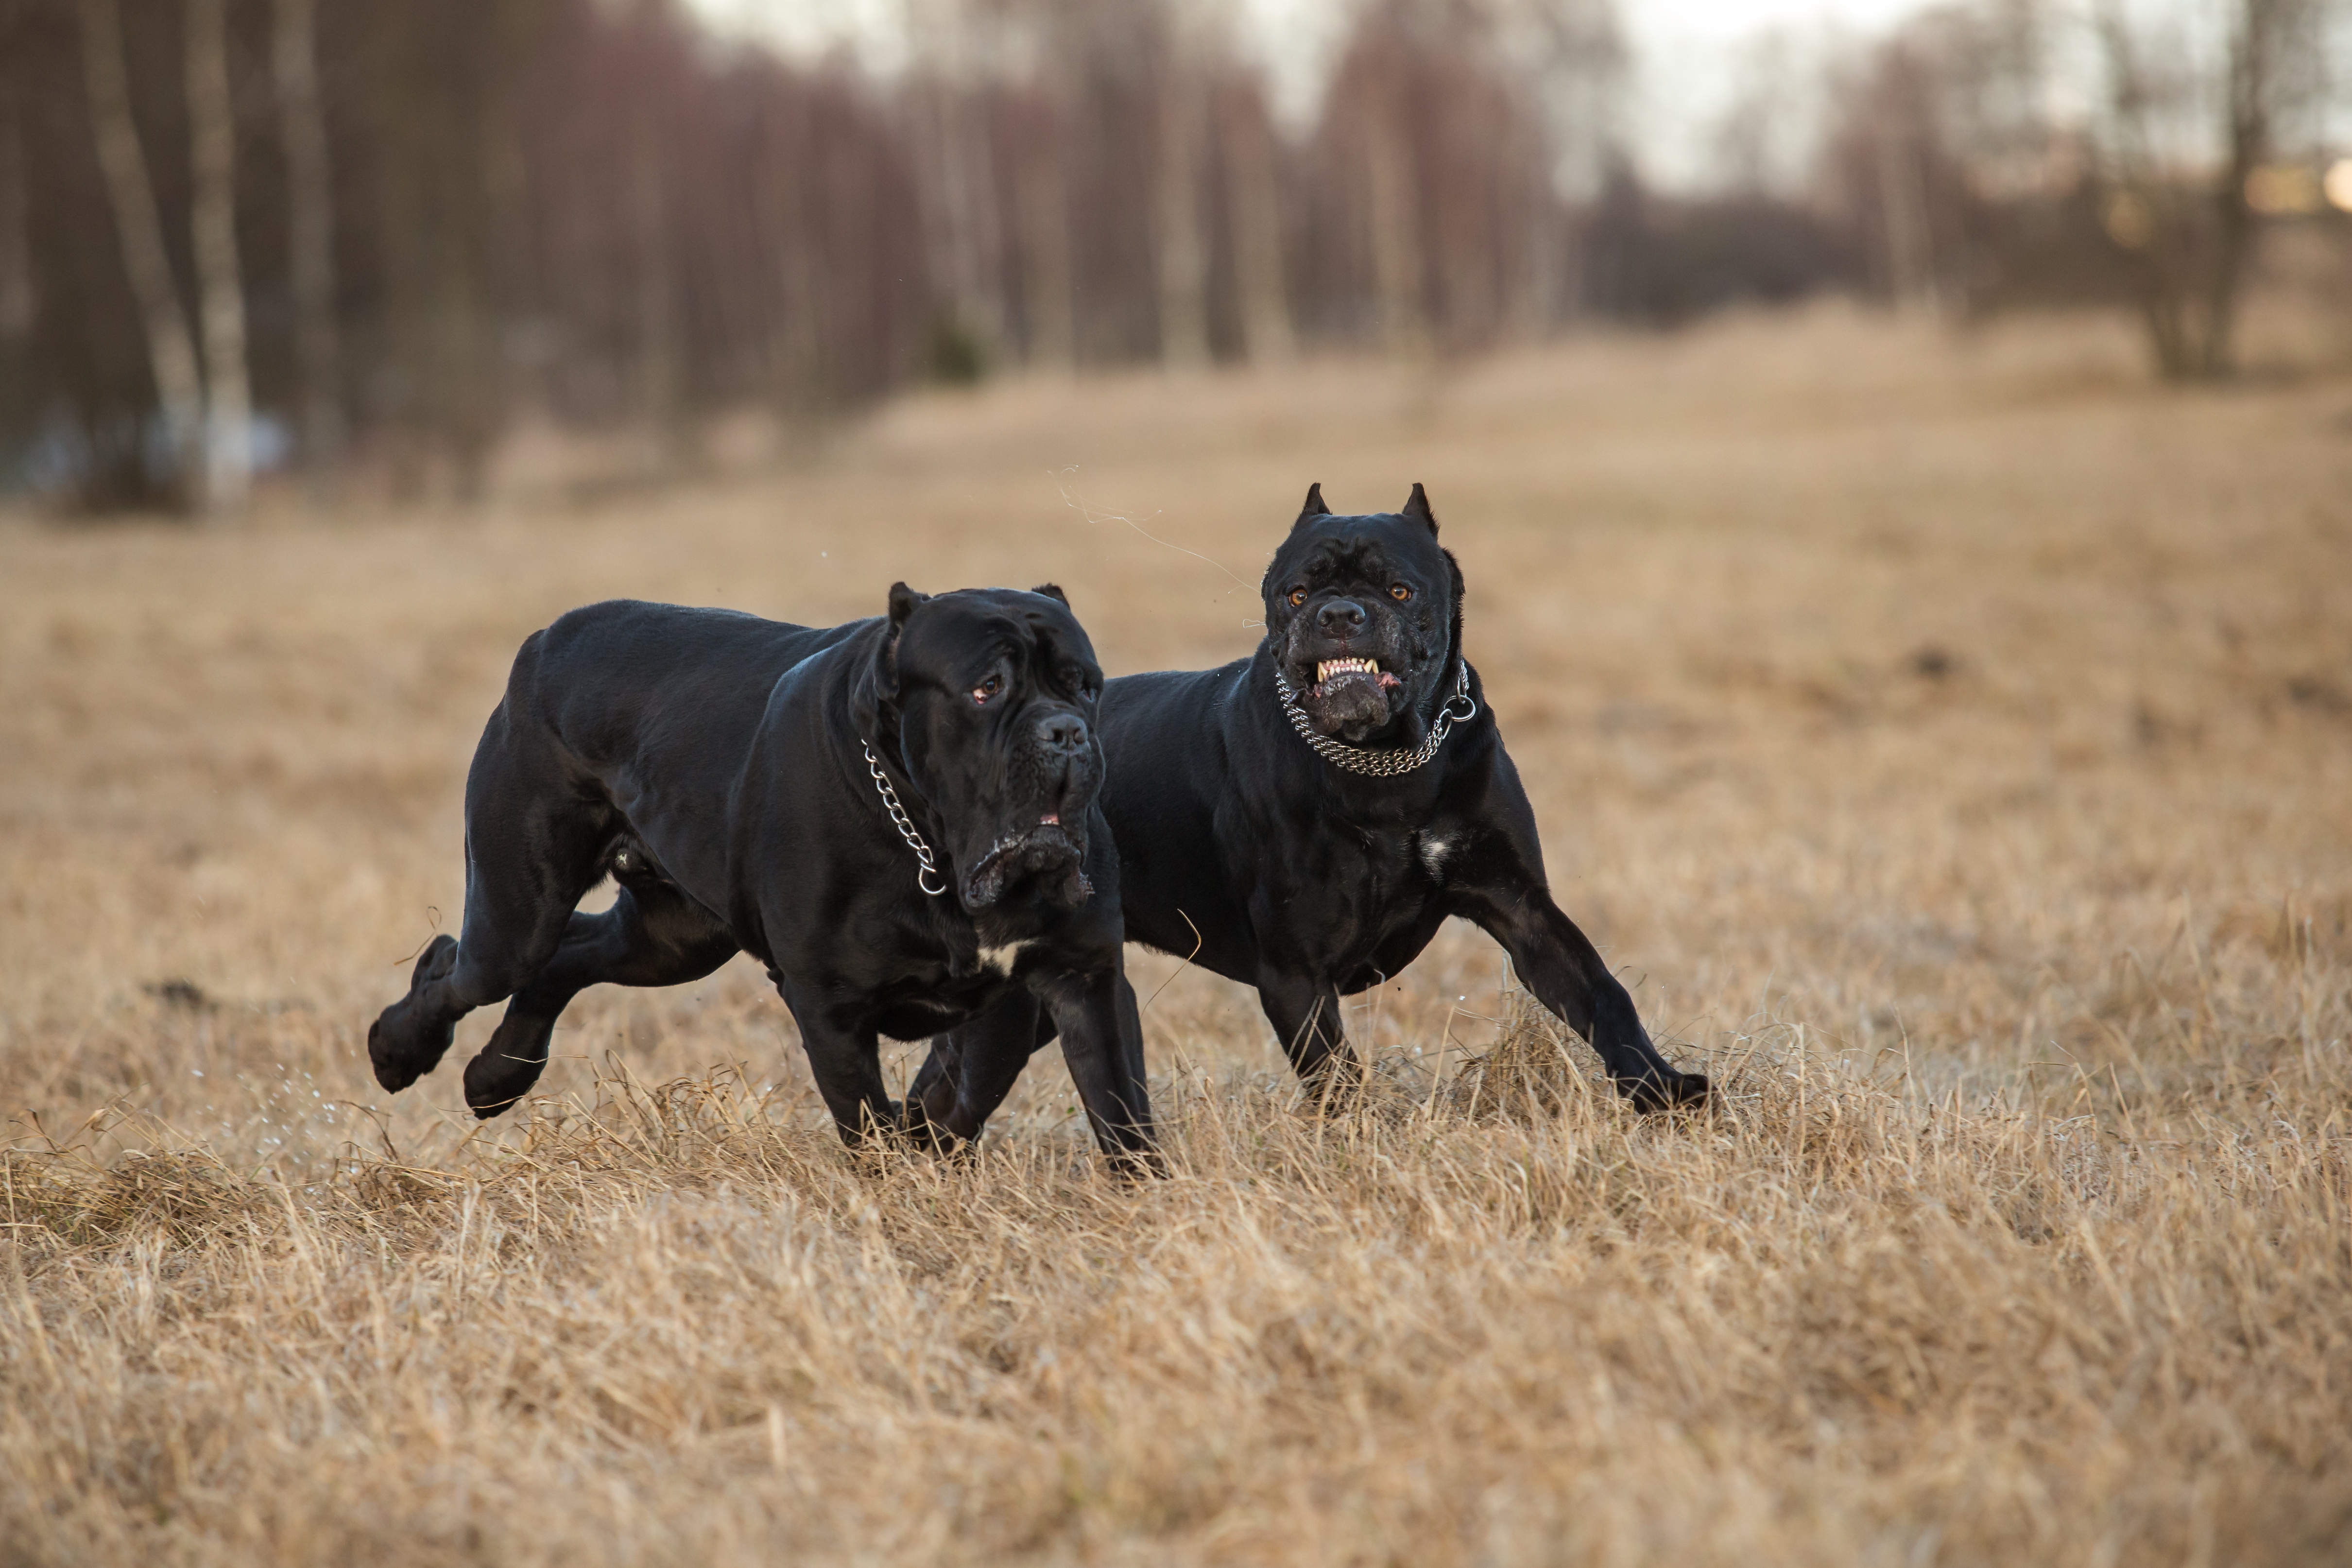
<point>1340,617</point>
<point>1063,732</point>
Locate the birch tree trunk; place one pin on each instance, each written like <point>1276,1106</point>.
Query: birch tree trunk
<point>1396,233</point>
<point>658,359</point>
<point>1257,219</point>
<point>956,168</point>
<point>1052,294</point>
<point>971,186</point>
<point>171,348</point>
<point>800,350</point>
<point>1183,258</point>
<point>311,222</point>
<point>1903,206</point>
<point>790,206</point>
<point>17,300</point>
<point>220,283</point>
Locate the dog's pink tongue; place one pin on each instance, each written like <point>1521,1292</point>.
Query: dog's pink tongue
<point>1053,819</point>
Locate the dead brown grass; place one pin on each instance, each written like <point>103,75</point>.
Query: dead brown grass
<point>1954,740</point>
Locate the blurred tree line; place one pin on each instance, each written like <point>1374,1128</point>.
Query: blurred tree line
<point>2007,153</point>
<point>366,235</point>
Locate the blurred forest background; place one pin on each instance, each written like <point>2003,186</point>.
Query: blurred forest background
<point>369,242</point>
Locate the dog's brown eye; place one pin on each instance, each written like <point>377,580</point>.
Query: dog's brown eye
<point>1399,592</point>
<point>1297,597</point>
<point>988,688</point>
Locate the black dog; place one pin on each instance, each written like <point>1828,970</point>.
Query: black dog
<point>897,816</point>
<point>1306,818</point>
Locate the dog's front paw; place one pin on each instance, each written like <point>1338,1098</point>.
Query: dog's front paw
<point>407,1042</point>
<point>1669,1091</point>
<point>1335,1085</point>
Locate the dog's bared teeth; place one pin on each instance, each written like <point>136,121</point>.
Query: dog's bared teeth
<point>1328,667</point>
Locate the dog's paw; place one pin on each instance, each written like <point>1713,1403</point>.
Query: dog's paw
<point>1141,1163</point>
<point>1674,1091</point>
<point>493,1094</point>
<point>1335,1085</point>
<point>917,1128</point>
<point>503,1071</point>
<point>404,1044</point>
<point>402,1049</point>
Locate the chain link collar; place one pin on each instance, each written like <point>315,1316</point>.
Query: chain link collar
<point>1379,765</point>
<point>905,824</point>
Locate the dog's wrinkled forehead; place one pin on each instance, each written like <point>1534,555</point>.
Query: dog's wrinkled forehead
<point>952,635</point>
<point>1371,549</point>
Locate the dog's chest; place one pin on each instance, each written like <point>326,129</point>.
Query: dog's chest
<point>1365,883</point>
<point>1434,849</point>
<point>1393,862</point>
<point>994,947</point>
<point>1006,957</point>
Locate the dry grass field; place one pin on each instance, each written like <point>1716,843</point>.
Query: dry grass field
<point>1953,739</point>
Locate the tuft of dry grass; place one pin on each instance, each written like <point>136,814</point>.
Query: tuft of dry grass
<point>1944,737</point>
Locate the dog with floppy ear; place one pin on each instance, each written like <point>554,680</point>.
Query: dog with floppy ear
<point>899,817</point>
<point>1305,819</point>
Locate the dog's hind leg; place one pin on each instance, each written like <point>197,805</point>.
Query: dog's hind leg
<point>534,846</point>
<point>973,1067</point>
<point>652,935</point>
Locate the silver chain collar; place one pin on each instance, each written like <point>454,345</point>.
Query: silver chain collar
<point>1365,759</point>
<point>905,824</point>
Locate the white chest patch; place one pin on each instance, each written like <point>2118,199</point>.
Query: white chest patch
<point>1003,958</point>
<point>1435,848</point>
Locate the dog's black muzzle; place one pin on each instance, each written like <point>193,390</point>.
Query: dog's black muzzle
<point>1051,779</point>
<point>1352,665</point>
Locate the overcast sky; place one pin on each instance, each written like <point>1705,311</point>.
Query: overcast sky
<point>1687,53</point>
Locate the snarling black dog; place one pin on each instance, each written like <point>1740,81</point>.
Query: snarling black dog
<point>897,816</point>
<point>1309,817</point>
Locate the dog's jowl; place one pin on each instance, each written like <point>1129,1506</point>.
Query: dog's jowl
<point>899,817</point>
<point>1305,819</point>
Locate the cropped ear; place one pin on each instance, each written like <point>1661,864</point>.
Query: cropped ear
<point>1416,507</point>
<point>903,601</point>
<point>1314,507</point>
<point>1052,590</point>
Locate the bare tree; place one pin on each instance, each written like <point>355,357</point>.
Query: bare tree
<point>1910,241</point>
<point>1575,56</point>
<point>2186,234</point>
<point>18,302</point>
<point>220,281</point>
<point>1050,295</point>
<point>310,233</point>
<point>1253,195</point>
<point>1903,136</point>
<point>957,162</point>
<point>171,347</point>
<point>656,314</point>
<point>1184,263</point>
<point>796,349</point>
<point>1392,185</point>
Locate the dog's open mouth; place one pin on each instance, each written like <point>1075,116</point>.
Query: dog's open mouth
<point>1329,667</point>
<point>1045,854</point>
<point>1350,696</point>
